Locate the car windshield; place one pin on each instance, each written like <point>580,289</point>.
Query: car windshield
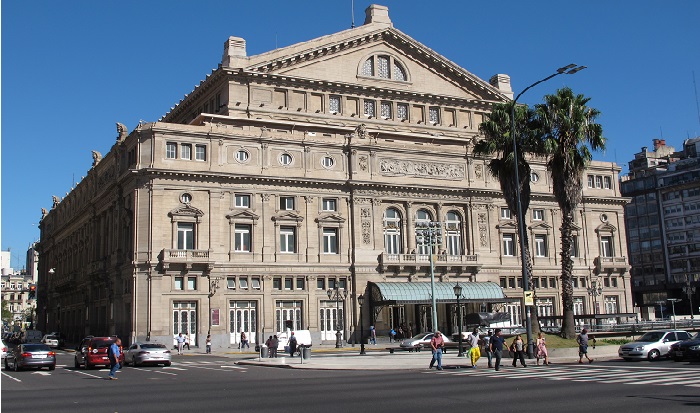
<point>51,338</point>
<point>422,336</point>
<point>102,343</point>
<point>152,346</point>
<point>652,336</point>
<point>35,347</point>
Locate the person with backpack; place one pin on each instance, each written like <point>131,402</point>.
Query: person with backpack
<point>392,335</point>
<point>114,353</point>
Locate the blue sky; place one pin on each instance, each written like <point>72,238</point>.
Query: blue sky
<point>71,69</point>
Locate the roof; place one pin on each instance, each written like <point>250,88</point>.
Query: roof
<point>420,292</point>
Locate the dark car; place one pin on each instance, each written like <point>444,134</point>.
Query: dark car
<point>92,352</point>
<point>687,350</point>
<point>30,355</point>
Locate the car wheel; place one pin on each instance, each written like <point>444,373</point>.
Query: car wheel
<point>167,364</point>
<point>75,363</point>
<point>87,365</point>
<point>7,367</point>
<point>654,355</point>
<point>52,368</point>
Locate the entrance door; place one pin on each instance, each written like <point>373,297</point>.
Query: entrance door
<point>242,318</point>
<point>331,319</point>
<point>185,320</point>
<point>288,315</point>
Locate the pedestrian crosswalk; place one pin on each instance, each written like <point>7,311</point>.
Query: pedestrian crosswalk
<point>634,375</point>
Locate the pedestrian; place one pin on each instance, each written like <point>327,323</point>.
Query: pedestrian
<point>273,346</point>
<point>292,343</point>
<point>268,343</point>
<point>372,335</point>
<point>180,343</point>
<point>486,342</point>
<point>474,352</point>
<point>244,340</point>
<point>582,340</point>
<point>208,343</point>
<point>187,341</point>
<point>409,331</point>
<point>497,342</point>
<point>518,350</point>
<point>542,349</point>
<point>392,335</point>
<point>436,345</point>
<point>114,353</point>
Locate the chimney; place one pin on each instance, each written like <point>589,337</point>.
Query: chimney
<point>234,52</point>
<point>502,83</point>
<point>377,14</point>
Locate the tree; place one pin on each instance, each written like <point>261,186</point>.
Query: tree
<point>569,132</point>
<point>497,145</point>
<point>6,313</point>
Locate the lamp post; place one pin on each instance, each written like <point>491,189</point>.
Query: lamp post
<point>458,293</point>
<point>361,300</point>
<point>673,302</point>
<point>566,70</point>
<point>594,290</point>
<point>213,286</point>
<point>689,290</point>
<point>661,308</point>
<point>429,234</point>
<point>337,295</point>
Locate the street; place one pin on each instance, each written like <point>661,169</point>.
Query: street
<point>217,383</point>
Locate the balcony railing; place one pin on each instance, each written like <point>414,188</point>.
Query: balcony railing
<point>615,264</point>
<point>188,257</point>
<point>440,260</point>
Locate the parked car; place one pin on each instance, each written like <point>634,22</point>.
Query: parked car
<point>147,353</point>
<point>51,341</point>
<point>3,349</point>
<point>652,345</point>
<point>30,355</point>
<point>687,350</point>
<point>419,341</point>
<point>92,351</point>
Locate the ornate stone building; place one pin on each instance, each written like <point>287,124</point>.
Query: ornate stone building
<point>284,175</point>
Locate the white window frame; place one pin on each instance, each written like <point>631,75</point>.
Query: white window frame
<point>538,214</point>
<point>330,241</point>
<point>170,150</point>
<point>186,151</point>
<point>243,238</point>
<point>287,203</point>
<point>200,153</point>
<point>540,245</point>
<point>508,242</point>
<point>288,240</point>
<point>242,156</point>
<point>186,235</point>
<point>505,213</point>
<point>329,204</point>
<point>334,100</point>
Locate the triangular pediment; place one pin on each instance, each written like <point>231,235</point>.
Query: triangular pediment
<point>339,58</point>
<point>330,218</point>
<point>186,210</point>
<point>245,214</point>
<point>507,225</point>
<point>541,226</point>
<point>605,227</point>
<point>288,216</point>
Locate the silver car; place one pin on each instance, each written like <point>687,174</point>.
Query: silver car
<point>30,355</point>
<point>419,341</point>
<point>652,345</point>
<point>139,354</point>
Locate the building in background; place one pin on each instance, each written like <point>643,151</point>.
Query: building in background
<point>284,175</point>
<point>663,222</point>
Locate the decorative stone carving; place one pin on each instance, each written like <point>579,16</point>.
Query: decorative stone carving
<point>363,163</point>
<point>366,232</point>
<point>365,213</point>
<point>361,131</point>
<point>44,213</point>
<point>56,201</point>
<point>122,131</point>
<point>309,199</point>
<point>96,158</point>
<point>265,197</point>
<point>479,171</point>
<point>376,201</point>
<point>396,167</point>
<point>359,200</point>
<point>483,238</point>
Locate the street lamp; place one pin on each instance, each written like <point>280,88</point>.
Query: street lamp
<point>335,294</point>
<point>429,234</point>
<point>566,70</point>
<point>361,300</point>
<point>594,290</point>
<point>458,293</point>
<point>673,302</point>
<point>689,290</point>
<point>661,308</point>
<point>213,286</point>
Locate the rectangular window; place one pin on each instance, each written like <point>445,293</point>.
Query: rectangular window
<point>536,282</point>
<point>288,240</point>
<point>186,151</point>
<point>370,109</point>
<point>574,246</point>
<point>434,115</point>
<point>614,282</point>
<point>242,238</point>
<point>171,150</point>
<point>606,247</point>
<point>330,240</point>
<point>538,214</point>
<point>503,282</point>
<point>508,246</point>
<point>255,282</point>
<point>288,283</point>
<point>385,110</point>
<point>179,283</point>
<point>287,203</point>
<point>191,283</point>
<point>598,181</point>
<point>540,245</point>
<point>218,102</point>
<point>402,111</point>
<point>334,104</point>
<point>590,181</point>
<point>276,283</point>
<point>185,235</point>
<point>331,283</point>
<point>574,282</point>
<point>607,182</point>
<point>243,283</point>
<point>342,284</point>
<point>231,283</point>
<point>330,204</point>
<point>242,201</point>
<point>606,282</point>
<point>552,282</point>
<point>505,213</point>
<point>200,153</point>
<point>300,283</point>
<point>320,283</point>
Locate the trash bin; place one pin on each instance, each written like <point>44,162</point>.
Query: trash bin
<point>263,351</point>
<point>306,352</point>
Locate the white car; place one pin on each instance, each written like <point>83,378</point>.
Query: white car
<point>652,345</point>
<point>51,341</point>
<point>3,349</point>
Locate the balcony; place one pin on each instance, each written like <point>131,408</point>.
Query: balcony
<point>459,263</point>
<point>611,264</point>
<point>189,258</point>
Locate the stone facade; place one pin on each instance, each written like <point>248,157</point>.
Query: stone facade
<point>285,174</point>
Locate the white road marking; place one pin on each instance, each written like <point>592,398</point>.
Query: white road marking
<point>174,368</point>
<point>43,373</point>
<point>233,367</point>
<point>163,372</point>
<point>87,374</point>
<point>13,378</point>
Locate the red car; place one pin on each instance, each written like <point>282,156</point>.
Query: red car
<point>92,352</point>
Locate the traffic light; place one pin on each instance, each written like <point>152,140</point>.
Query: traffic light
<point>32,291</point>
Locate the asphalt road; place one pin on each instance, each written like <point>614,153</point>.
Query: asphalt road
<point>217,384</point>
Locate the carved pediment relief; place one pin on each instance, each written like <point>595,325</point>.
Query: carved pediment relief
<point>541,226</point>
<point>508,225</point>
<point>330,219</point>
<point>186,210</point>
<point>242,215</point>
<point>605,227</point>
<point>288,217</point>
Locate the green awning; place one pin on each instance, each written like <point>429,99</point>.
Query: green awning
<point>389,293</point>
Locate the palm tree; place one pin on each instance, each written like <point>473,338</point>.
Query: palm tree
<point>497,144</point>
<point>569,131</point>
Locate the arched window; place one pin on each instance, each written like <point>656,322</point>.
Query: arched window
<point>423,218</point>
<point>384,67</point>
<point>368,67</point>
<point>453,227</point>
<point>399,72</point>
<point>392,231</point>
